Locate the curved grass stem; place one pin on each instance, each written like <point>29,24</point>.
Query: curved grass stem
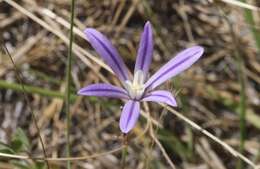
<point>20,79</point>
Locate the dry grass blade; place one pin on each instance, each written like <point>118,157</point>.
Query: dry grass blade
<point>80,52</point>
<point>60,20</point>
<point>209,155</point>
<point>35,32</point>
<point>157,142</point>
<point>59,34</point>
<point>241,4</point>
<point>30,42</point>
<point>127,16</point>
<point>20,79</point>
<point>8,21</point>
<point>61,159</point>
<point>212,137</point>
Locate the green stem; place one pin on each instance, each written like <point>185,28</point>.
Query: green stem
<point>124,155</point>
<point>68,83</point>
<point>33,90</point>
<point>242,93</point>
<point>242,101</point>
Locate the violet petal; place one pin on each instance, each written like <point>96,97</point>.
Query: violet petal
<point>108,52</point>
<point>104,90</point>
<point>161,96</point>
<point>145,51</point>
<point>129,116</point>
<point>179,63</point>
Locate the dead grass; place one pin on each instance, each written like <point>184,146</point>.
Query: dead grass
<point>36,34</point>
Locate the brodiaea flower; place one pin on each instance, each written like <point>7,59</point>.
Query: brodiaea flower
<point>139,88</point>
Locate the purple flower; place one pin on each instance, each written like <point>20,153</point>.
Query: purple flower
<point>140,88</point>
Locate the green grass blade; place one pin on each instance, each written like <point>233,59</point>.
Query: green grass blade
<point>33,90</point>
<point>68,83</point>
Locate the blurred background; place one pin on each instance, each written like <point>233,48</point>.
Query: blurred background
<point>220,92</point>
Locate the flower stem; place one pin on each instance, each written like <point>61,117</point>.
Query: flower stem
<point>68,83</point>
<point>124,155</point>
<point>124,151</point>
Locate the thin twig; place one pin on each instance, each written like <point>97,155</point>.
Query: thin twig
<point>211,136</point>
<point>60,20</point>
<point>242,5</point>
<point>158,143</point>
<point>155,140</point>
<point>127,16</point>
<point>60,35</point>
<point>20,79</point>
<point>61,159</point>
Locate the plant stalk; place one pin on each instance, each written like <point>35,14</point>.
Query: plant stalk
<point>68,83</point>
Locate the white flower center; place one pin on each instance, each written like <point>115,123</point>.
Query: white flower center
<point>136,88</point>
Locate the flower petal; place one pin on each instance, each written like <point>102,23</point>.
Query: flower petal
<point>104,90</point>
<point>129,116</point>
<point>161,96</point>
<point>145,51</point>
<point>181,62</point>
<point>108,52</point>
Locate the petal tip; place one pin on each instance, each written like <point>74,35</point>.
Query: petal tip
<point>200,49</point>
<point>172,103</point>
<point>148,26</point>
<point>79,92</point>
<point>83,91</point>
<point>124,130</point>
<point>89,31</point>
<point>197,51</point>
<point>147,23</point>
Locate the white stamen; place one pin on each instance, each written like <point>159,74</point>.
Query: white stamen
<point>136,88</point>
<point>139,77</point>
